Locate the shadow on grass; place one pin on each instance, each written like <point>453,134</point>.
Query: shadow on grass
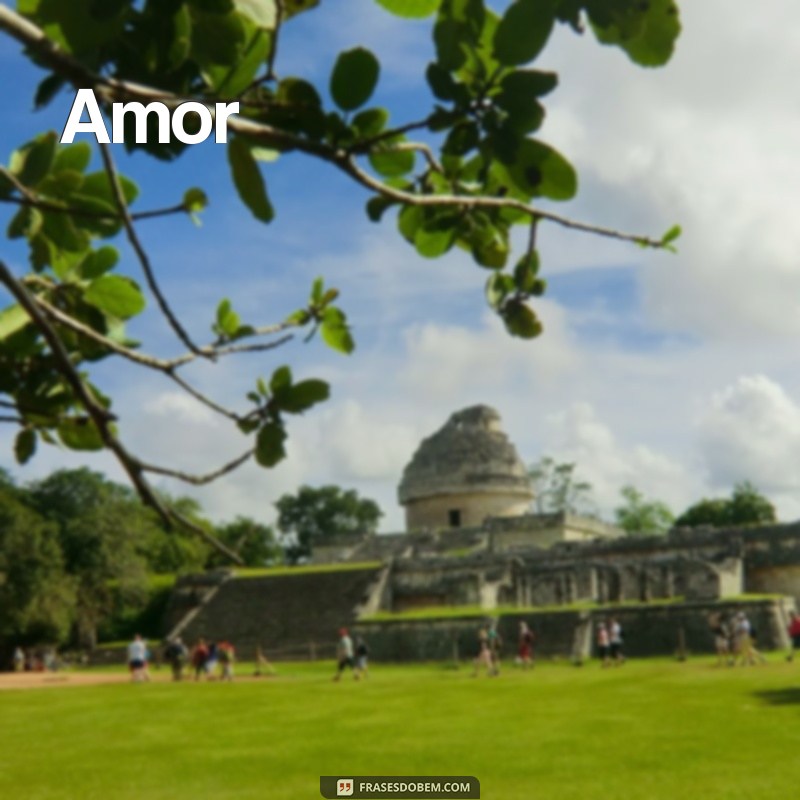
<point>780,697</point>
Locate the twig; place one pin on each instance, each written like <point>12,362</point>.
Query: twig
<point>199,480</point>
<point>200,397</point>
<point>144,259</point>
<point>273,50</point>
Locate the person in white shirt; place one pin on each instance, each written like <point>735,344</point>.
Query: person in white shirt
<point>344,655</point>
<point>137,659</point>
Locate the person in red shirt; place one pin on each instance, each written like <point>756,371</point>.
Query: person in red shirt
<point>794,634</point>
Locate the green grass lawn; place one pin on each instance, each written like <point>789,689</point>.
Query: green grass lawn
<point>650,730</point>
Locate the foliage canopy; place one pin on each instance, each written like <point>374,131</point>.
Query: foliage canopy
<point>478,169</point>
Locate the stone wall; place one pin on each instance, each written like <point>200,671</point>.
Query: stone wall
<point>649,630</point>
<point>473,509</point>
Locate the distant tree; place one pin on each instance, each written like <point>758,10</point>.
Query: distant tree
<point>746,506</point>
<point>557,488</point>
<point>102,532</point>
<point>256,544</point>
<point>36,594</point>
<point>179,549</point>
<point>314,514</point>
<point>640,516</point>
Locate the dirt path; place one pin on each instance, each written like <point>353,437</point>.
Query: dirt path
<point>49,680</point>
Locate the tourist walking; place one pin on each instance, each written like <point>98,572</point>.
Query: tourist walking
<point>362,657</point>
<point>495,643</point>
<point>175,654</point>
<point>137,659</point>
<point>199,658</point>
<point>794,634</point>
<point>720,630</point>
<point>226,655</point>
<point>344,655</point>
<point>745,646</point>
<point>603,643</point>
<point>615,642</point>
<point>525,648</point>
<point>484,657</point>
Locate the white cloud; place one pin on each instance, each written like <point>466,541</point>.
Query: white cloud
<point>579,436</point>
<point>708,141</point>
<point>751,431</point>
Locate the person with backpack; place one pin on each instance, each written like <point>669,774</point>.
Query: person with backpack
<point>175,654</point>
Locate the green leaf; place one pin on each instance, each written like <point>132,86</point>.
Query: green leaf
<point>498,287</point>
<point>490,246</point>
<point>181,45</point>
<point>115,295</point>
<point>73,157</point>
<point>524,30</point>
<point>80,434</point>
<point>671,235</point>
<point>47,90</point>
<point>248,180</point>
<point>645,31</point>
<point>316,291</point>
<point>64,234</point>
<point>410,9</point>
<point>370,123</point>
<point>269,445</point>
<point>218,40</point>
<point>436,235</point>
<point>12,319</point>
<point>281,379</point>
<point>265,154</point>
<point>354,78</point>
<point>517,97</point>
<point>34,160</point>
<point>98,185</point>
<point>261,12</point>
<point>25,445</point>
<point>541,171</point>
<point>335,331</point>
<point>299,317</point>
<point>98,262</point>
<point>451,38</point>
<point>389,162</point>
<point>228,321</point>
<point>247,426</point>
<point>213,6</point>
<point>525,272</point>
<point>27,222</point>
<point>195,200</point>
<point>520,320</point>
<point>303,395</point>
<point>377,207</point>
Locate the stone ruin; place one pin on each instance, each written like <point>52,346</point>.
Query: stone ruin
<point>472,542</point>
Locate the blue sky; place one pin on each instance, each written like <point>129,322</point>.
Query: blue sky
<point>675,373</point>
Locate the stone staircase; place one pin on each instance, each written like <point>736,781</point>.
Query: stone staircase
<point>288,616</point>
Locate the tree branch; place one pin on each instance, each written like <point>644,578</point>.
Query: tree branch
<point>117,91</point>
<point>200,480</point>
<point>99,415</point>
<point>144,259</point>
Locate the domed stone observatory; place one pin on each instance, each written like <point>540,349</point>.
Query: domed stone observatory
<point>464,473</point>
